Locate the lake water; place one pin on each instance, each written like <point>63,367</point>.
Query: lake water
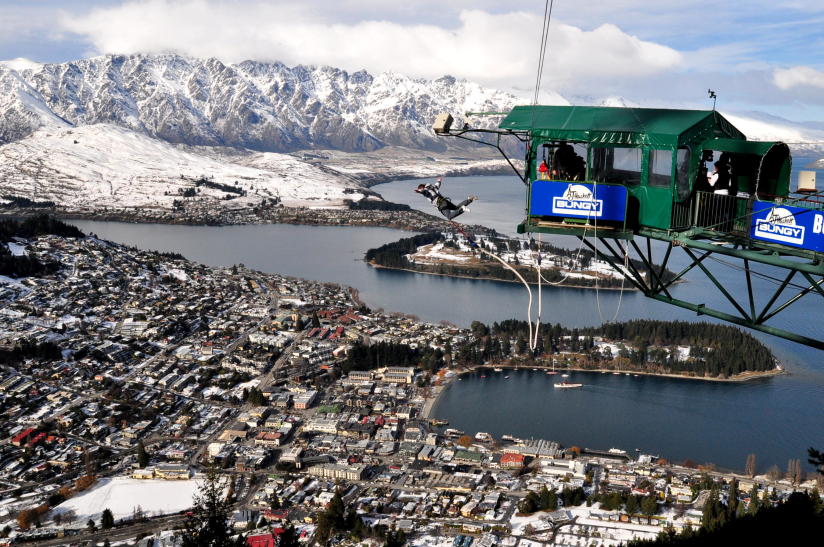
<point>777,418</point>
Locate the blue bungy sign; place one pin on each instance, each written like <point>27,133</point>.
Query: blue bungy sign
<point>793,226</point>
<point>578,200</point>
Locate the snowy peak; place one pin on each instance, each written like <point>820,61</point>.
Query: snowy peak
<point>22,108</point>
<point>254,105</point>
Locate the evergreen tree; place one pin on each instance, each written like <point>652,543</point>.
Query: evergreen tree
<point>106,519</point>
<point>207,524</point>
<point>649,506</point>
<point>289,537</point>
<point>732,500</point>
<point>754,505</point>
<point>142,456</point>
<point>332,519</point>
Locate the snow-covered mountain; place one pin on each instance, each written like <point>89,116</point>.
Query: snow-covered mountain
<point>254,105</point>
<point>136,131</point>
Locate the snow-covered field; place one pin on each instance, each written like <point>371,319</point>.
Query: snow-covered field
<point>431,254</point>
<point>123,495</point>
<point>109,166</point>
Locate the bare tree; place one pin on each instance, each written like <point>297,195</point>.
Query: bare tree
<point>750,468</point>
<point>794,472</point>
<point>774,473</point>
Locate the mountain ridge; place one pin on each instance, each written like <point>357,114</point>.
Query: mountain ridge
<point>266,107</point>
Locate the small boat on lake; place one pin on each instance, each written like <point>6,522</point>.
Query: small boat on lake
<point>567,385</point>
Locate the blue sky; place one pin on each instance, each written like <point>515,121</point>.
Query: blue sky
<point>758,55</point>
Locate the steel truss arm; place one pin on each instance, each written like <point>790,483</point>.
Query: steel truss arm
<point>522,136</point>
<point>752,317</point>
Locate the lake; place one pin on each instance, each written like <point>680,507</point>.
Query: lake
<point>776,418</point>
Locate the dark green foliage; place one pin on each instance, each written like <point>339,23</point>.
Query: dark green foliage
<point>142,456</point>
<point>387,354</point>
<point>106,519</point>
<point>573,496</point>
<point>714,349</point>
<point>289,537</point>
<point>374,205</point>
<point>391,255</point>
<point>816,458</point>
<point>395,539</point>
<point>649,506</point>
<point>24,266</point>
<point>35,226</point>
<point>20,201</point>
<point>26,349</point>
<point>255,397</point>
<point>547,499</point>
<point>795,522</point>
<point>203,181</point>
<point>333,519</point>
<point>207,524</point>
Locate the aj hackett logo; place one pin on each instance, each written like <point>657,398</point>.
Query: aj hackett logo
<point>779,225</point>
<point>577,200</point>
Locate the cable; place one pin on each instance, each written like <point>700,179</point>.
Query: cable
<point>623,273</point>
<point>474,244</point>
<point>534,342</point>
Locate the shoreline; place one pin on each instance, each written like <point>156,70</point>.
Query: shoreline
<point>743,377</point>
<point>628,287</point>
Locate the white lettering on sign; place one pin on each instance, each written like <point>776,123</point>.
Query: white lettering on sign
<point>818,223</point>
<point>577,200</point>
<point>779,225</point>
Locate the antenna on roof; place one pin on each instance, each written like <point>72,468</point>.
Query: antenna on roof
<point>712,95</point>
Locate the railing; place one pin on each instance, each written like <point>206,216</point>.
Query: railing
<point>718,212</point>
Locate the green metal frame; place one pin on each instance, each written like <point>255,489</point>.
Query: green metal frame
<point>661,129</point>
<point>698,248</point>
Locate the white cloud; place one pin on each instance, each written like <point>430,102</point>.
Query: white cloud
<point>798,76</point>
<point>493,48</point>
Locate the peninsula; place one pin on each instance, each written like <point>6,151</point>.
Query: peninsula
<point>453,255</point>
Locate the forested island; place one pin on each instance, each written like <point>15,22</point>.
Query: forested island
<point>452,255</point>
<point>699,350</point>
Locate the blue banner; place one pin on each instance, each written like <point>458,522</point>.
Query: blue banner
<point>578,200</point>
<point>786,225</point>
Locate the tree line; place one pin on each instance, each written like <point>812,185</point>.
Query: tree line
<point>25,265</point>
<point>642,344</point>
<point>390,354</point>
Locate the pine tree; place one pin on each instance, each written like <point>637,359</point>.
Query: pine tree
<point>142,456</point>
<point>106,519</point>
<point>732,500</point>
<point>207,525</point>
<point>754,503</point>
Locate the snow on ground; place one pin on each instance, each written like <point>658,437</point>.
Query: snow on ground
<point>432,541</point>
<point>429,253</point>
<point>106,165</point>
<point>178,274</point>
<point>16,249</point>
<point>5,280</point>
<point>212,390</point>
<point>774,129</point>
<point>122,495</point>
<point>614,348</point>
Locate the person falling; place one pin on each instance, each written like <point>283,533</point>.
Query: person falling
<point>444,204</point>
